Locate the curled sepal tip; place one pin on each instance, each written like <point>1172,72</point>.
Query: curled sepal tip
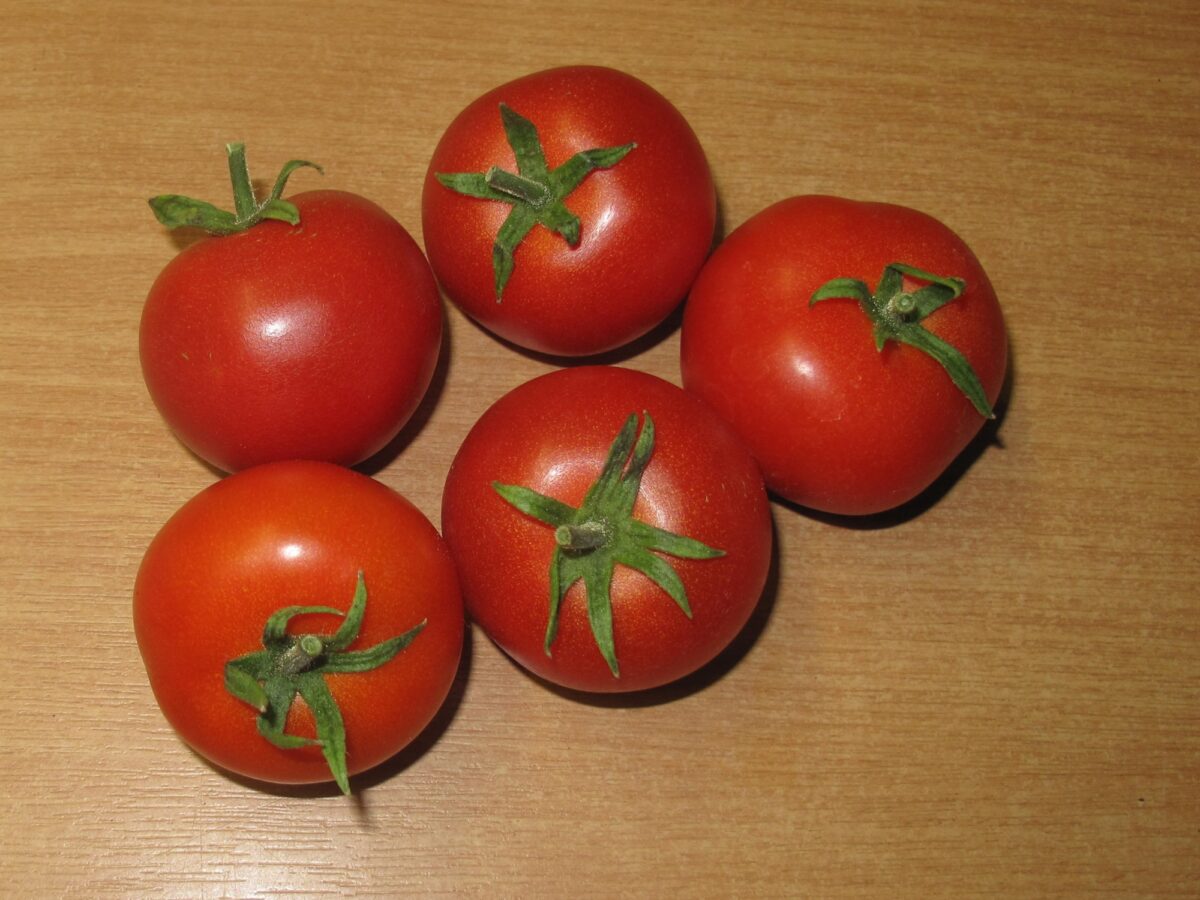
<point>290,665</point>
<point>897,315</point>
<point>177,211</point>
<point>591,540</point>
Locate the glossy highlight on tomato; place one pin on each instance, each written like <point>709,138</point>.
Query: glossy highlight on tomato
<point>697,483</point>
<point>836,423</point>
<point>297,534</point>
<point>308,341</point>
<point>632,232</point>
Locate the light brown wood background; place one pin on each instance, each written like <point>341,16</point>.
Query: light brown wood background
<point>997,695</point>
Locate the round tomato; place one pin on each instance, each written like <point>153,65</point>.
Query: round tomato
<point>298,602</point>
<point>568,211</point>
<point>611,533</point>
<point>855,347</point>
<point>313,341</point>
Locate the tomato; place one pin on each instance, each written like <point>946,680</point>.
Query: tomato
<point>249,551</point>
<point>774,341</point>
<point>610,532</point>
<point>568,211</point>
<point>313,341</point>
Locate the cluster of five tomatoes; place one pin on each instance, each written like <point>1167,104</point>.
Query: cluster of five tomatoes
<point>300,621</point>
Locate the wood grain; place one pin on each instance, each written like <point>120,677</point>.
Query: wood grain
<point>996,693</point>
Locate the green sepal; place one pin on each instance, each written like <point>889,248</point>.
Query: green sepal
<point>840,288</point>
<point>520,222</point>
<point>331,730</point>
<point>558,589</point>
<point>940,290</point>
<point>570,174</point>
<point>535,192</point>
<point>597,581</point>
<point>373,657</point>
<point>660,572</point>
<point>526,145</point>
<point>348,631</point>
<point>951,360</point>
<point>897,315</point>
<point>177,211</point>
<point>242,680</point>
<point>672,544</point>
<point>591,540</point>
<point>471,184</point>
<point>539,506</point>
<point>563,222</point>
<point>273,720</point>
<point>289,665</point>
<point>275,636</point>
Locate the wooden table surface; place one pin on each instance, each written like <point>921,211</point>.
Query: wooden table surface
<point>997,693</point>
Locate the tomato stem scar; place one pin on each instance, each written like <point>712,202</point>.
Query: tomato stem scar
<point>289,666</point>
<point>535,191</point>
<point>592,539</point>
<point>897,316</point>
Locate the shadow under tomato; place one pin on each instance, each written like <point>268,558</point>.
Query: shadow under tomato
<point>215,471</point>
<point>988,436</point>
<point>719,233</point>
<point>432,732</point>
<point>703,678</point>
<point>614,357</point>
<point>390,768</point>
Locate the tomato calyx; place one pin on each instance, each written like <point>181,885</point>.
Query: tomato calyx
<point>176,211</point>
<point>897,316</point>
<point>291,665</point>
<point>535,191</point>
<point>592,539</point>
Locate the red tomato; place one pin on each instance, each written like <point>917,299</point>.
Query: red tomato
<point>312,341</point>
<point>700,506</point>
<point>592,267</point>
<point>285,534</point>
<point>836,424</point>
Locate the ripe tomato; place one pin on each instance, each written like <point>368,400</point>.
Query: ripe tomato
<point>617,248</point>
<point>835,423</point>
<point>312,341</point>
<point>595,560</point>
<point>290,536</point>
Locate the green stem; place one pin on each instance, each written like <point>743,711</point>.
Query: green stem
<point>177,211</point>
<point>905,306</point>
<point>301,655</point>
<point>584,536</point>
<point>525,189</point>
<point>245,204</point>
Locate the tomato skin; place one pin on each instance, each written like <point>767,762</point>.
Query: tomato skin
<point>296,533</point>
<point>314,341</point>
<point>835,424</point>
<point>647,222</point>
<point>551,434</point>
